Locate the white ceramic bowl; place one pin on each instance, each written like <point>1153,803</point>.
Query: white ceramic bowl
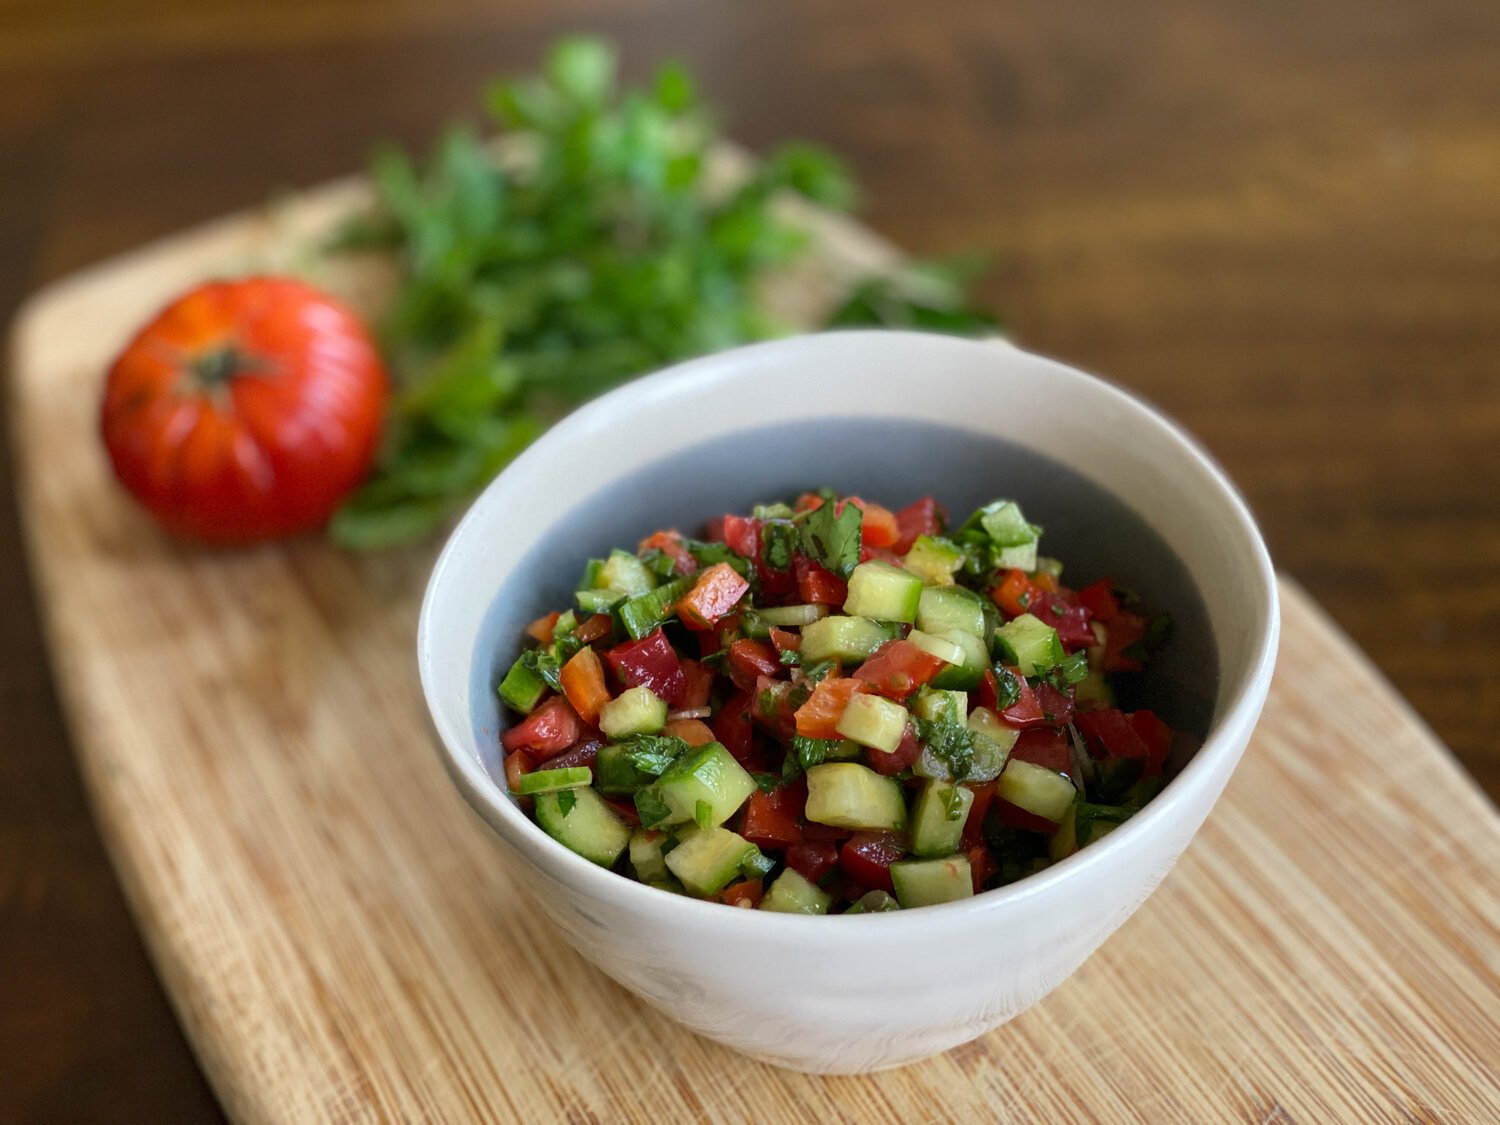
<point>892,416</point>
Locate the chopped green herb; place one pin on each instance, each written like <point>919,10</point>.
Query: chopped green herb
<point>1007,687</point>
<point>653,753</point>
<point>709,554</point>
<point>812,751</point>
<point>1073,670</point>
<point>778,543</point>
<point>790,656</point>
<point>767,782</point>
<point>812,673</point>
<point>566,799</point>
<point>950,739</point>
<point>651,808</point>
<point>703,814</point>
<point>833,538</point>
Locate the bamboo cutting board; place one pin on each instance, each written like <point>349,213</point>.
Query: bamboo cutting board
<point>343,941</point>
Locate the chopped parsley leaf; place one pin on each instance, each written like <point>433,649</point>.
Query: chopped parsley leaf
<point>652,809</point>
<point>833,538</point>
<point>566,799</point>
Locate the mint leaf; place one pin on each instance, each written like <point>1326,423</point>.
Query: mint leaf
<point>651,808</point>
<point>653,754</point>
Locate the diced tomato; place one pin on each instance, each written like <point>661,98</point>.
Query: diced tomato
<point>1016,593</point>
<point>581,753</point>
<point>1110,734</point>
<point>650,662</point>
<point>541,629</point>
<point>1045,747</point>
<point>812,861</point>
<point>1026,711</point>
<point>773,708</point>
<point>596,628</point>
<point>695,732</point>
<point>898,668</point>
<point>807,502</point>
<point>819,716</point>
<point>815,833</point>
<point>670,544</point>
<point>817,585</point>
<point>1017,817</point>
<point>1155,734</point>
<point>518,763</point>
<point>749,660</point>
<point>1125,630</point>
<point>731,726</point>
<point>1057,706</point>
<point>547,731</point>
<point>984,796</point>
<point>583,684</point>
<point>879,527</point>
<point>770,819</point>
<point>923,517</point>
<point>1070,619</point>
<point>982,865</point>
<point>625,809</point>
<point>784,641</point>
<point>717,591</point>
<point>866,857</point>
<point>1045,582</point>
<point>742,536</point>
<point>745,894</point>
<point>907,751</point>
<point>700,685</point>
<point>868,553</point>
<point>987,694</point>
<point>1099,599</point>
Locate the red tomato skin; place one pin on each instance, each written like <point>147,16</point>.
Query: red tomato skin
<point>264,451</point>
<point>813,860</point>
<point>1100,600</point>
<point>772,709</point>
<point>1111,733</point>
<point>1155,734</point>
<point>1018,817</point>
<point>742,536</point>
<point>898,668</point>
<point>1043,746</point>
<point>749,660</point>
<point>1026,711</point>
<point>907,752</point>
<point>650,662</point>
<point>700,685</point>
<point>817,585</point>
<point>1070,619</point>
<point>866,857</point>
<point>731,726</point>
<point>670,544</point>
<point>924,517</point>
<point>546,732</point>
<point>581,753</point>
<point>1057,706</point>
<point>984,796</point>
<point>770,819</point>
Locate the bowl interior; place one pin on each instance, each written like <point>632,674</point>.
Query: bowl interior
<point>1093,532</point>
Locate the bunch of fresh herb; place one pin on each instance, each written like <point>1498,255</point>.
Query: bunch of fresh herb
<point>529,285</point>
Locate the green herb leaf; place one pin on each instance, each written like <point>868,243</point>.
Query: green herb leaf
<point>833,538</point>
<point>778,544</point>
<point>651,808</point>
<point>766,782</point>
<point>653,753</point>
<point>951,740</point>
<point>1007,687</point>
<point>812,751</point>
<point>566,799</point>
<point>953,802</point>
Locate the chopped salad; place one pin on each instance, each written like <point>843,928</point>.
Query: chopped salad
<point>833,707</point>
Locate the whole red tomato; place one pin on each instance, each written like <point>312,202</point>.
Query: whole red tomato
<point>246,410</point>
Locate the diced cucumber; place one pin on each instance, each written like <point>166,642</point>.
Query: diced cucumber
<point>757,865</point>
<point>884,592</point>
<point>791,616</point>
<point>1022,557</point>
<point>843,750</point>
<point>589,826</point>
<point>1036,789</point>
<point>669,884</point>
<point>1094,688</point>
<point>933,832</point>
<point>708,861</point>
<point>934,561</point>
<point>937,705</point>
<point>927,882</point>
<point>964,676</point>
<point>617,774</point>
<point>1029,644</point>
<point>1082,824</point>
<point>551,781</point>
<point>709,776</point>
<point>637,710</point>
<point>940,647</point>
<point>874,902</point>
<point>644,612</point>
<point>625,574</point>
<point>1006,526</point>
<point>950,607</point>
<point>848,640</point>
<point>522,688</point>
<point>753,625</point>
<point>874,721</point>
<point>849,795</point>
<point>792,894</point>
<point>590,579</point>
<point>646,855</point>
<point>993,740</point>
<point>598,601</point>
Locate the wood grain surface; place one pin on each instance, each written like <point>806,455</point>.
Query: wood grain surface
<point>1280,222</point>
<point>343,941</point>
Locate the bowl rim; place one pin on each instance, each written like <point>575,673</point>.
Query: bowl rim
<point>505,817</point>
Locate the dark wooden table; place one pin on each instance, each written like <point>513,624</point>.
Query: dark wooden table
<point>1280,222</point>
